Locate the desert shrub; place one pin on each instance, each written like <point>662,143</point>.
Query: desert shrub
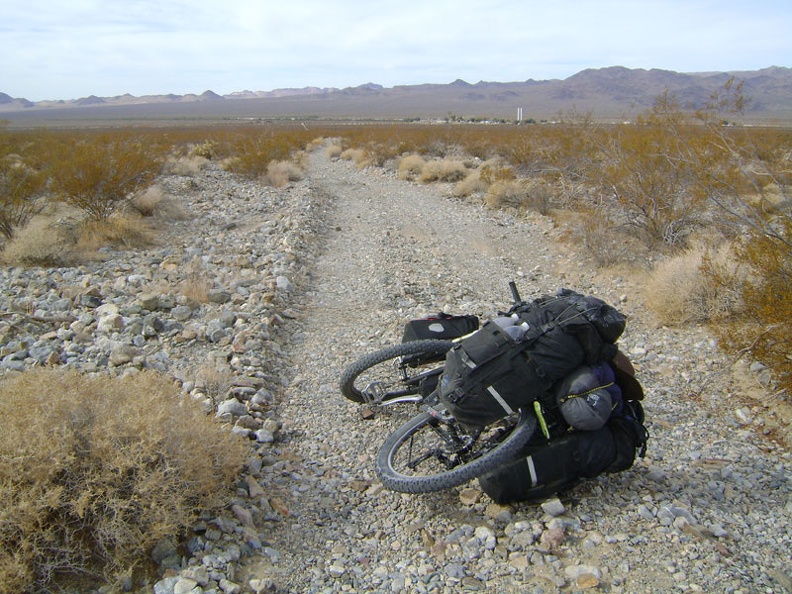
<point>39,243</point>
<point>651,189</point>
<point>472,184</point>
<point>149,201</point>
<point>249,151</point>
<point>280,173</point>
<point>333,151</point>
<point>595,234</point>
<point>745,174</point>
<point>195,286</point>
<point>98,174</point>
<point>496,170</point>
<point>443,170</point>
<point>21,193</point>
<point>410,166</point>
<point>119,230</point>
<point>506,194</point>
<point>213,380</point>
<point>315,143</point>
<point>205,150</point>
<point>539,196</point>
<point>764,330</point>
<point>359,157</point>
<point>125,464</point>
<point>187,166</point>
<point>680,290</point>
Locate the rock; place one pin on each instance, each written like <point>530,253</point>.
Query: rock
<point>231,407</point>
<point>219,296</point>
<point>283,283</point>
<point>122,354</point>
<point>148,301</point>
<point>553,507</point>
<point>551,539</point>
<point>262,586</point>
<point>469,496</point>
<point>184,586</point>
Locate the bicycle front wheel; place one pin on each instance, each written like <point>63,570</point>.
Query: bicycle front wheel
<point>395,371</point>
<point>427,454</point>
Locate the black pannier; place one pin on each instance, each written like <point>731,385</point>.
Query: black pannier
<point>488,376</point>
<point>545,469</point>
<point>504,366</point>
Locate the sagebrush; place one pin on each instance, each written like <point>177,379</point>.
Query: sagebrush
<point>96,470</point>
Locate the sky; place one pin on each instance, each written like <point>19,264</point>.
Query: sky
<point>52,49</point>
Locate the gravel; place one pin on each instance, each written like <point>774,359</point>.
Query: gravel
<point>306,279</point>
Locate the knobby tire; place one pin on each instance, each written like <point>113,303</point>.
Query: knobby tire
<point>491,461</point>
<point>429,346</point>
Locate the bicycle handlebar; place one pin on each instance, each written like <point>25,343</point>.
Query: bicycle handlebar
<point>515,292</point>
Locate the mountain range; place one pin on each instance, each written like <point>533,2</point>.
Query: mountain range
<point>612,93</point>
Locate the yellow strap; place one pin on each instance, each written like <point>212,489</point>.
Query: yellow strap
<point>541,419</point>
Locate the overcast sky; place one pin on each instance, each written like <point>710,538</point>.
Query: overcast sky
<point>52,49</point>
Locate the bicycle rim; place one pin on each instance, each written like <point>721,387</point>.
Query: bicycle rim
<point>417,458</point>
<point>384,375</point>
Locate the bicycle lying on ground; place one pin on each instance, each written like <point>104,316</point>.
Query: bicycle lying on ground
<point>433,451</point>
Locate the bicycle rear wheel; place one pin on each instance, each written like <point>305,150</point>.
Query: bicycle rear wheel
<point>429,454</point>
<point>399,370</point>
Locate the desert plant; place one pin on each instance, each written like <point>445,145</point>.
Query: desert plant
<point>195,286</point>
<point>496,170</point>
<point>359,157</point>
<point>596,234</point>
<point>248,151</point>
<point>334,150</point>
<point>443,170</point>
<point>39,243</point>
<point>410,166</point>
<point>280,173</point>
<point>651,188</point>
<point>764,330</point>
<point>204,150</point>
<point>121,230</point>
<point>147,203</point>
<point>100,173</point>
<point>126,463</point>
<point>749,188</point>
<point>506,194</point>
<point>472,184</point>
<point>682,288</point>
<point>187,166</point>
<point>21,193</point>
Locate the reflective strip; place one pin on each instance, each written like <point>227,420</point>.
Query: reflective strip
<point>500,400</point>
<point>466,359</point>
<point>532,470</point>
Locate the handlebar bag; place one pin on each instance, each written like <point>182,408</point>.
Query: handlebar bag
<point>443,326</point>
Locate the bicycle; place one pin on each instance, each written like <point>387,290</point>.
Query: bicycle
<point>432,451</point>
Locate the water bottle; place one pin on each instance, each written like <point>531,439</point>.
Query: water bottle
<point>506,321</point>
<point>517,331</point>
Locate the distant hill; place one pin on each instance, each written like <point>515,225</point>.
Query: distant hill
<point>612,93</point>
